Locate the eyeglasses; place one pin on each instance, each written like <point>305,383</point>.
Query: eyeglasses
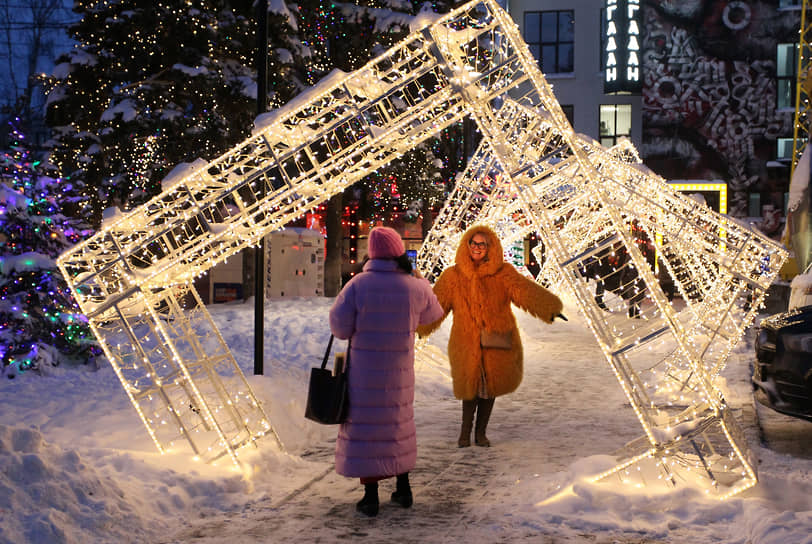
<point>478,245</point>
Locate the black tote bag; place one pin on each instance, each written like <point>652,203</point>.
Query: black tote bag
<point>327,395</point>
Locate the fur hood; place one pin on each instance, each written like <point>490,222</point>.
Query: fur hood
<point>492,263</point>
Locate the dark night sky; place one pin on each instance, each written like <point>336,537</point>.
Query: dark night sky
<point>15,43</point>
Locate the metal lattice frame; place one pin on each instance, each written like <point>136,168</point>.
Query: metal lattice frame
<point>531,174</point>
<point>803,81</point>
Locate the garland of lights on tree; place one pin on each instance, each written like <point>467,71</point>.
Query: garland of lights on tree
<point>125,111</point>
<point>40,323</point>
<point>588,205</point>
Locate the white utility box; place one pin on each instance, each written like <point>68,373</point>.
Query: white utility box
<point>294,260</point>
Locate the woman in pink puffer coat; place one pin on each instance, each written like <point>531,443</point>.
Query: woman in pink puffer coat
<point>379,311</point>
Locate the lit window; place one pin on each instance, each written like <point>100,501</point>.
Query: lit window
<point>784,150</point>
<point>615,121</point>
<point>785,66</point>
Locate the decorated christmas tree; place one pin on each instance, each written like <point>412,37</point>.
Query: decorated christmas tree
<point>346,36</point>
<point>40,323</point>
<point>151,85</point>
<point>406,187</point>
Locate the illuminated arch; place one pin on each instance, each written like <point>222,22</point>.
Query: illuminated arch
<point>531,174</point>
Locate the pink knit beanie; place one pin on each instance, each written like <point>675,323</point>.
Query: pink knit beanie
<point>385,243</point>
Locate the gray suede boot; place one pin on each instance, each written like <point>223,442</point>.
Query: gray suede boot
<point>468,408</point>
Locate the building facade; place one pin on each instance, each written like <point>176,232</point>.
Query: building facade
<point>567,38</point>
<point>717,99</point>
<point>711,102</point>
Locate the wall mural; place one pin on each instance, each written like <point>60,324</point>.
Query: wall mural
<point>709,95</point>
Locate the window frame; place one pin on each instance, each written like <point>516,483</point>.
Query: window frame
<point>782,144</point>
<point>569,112</point>
<point>537,47</point>
<point>610,138</point>
<point>789,4</point>
<point>788,78</point>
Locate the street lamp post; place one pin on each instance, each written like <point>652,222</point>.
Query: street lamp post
<point>259,255</point>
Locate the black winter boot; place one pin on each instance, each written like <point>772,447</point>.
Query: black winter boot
<point>483,414</point>
<point>468,408</point>
<point>369,504</point>
<point>403,492</point>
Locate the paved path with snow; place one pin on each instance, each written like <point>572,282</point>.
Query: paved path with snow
<point>555,418</point>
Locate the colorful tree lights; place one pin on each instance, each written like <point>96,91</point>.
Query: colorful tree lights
<point>40,323</point>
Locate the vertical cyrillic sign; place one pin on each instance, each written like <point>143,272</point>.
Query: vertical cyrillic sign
<point>621,52</point>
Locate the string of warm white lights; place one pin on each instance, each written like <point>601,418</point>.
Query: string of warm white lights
<point>145,86</point>
<point>587,232</point>
<point>591,207</point>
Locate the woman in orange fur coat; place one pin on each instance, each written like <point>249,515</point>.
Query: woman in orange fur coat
<point>484,348</point>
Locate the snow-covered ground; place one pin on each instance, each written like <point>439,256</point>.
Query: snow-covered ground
<point>77,465</point>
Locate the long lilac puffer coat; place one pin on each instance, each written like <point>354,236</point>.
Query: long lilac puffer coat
<point>380,310</point>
